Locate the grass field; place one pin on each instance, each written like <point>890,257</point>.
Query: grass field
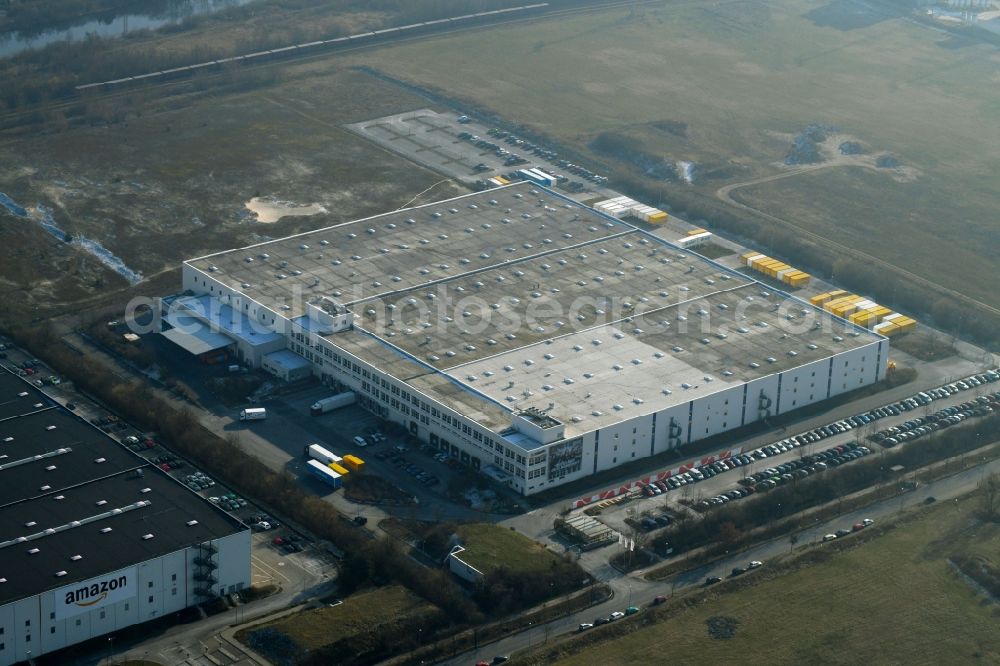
<point>170,179</point>
<point>489,546</point>
<point>728,85</point>
<point>892,600</point>
<point>359,619</point>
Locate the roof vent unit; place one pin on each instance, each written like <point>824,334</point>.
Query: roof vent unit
<point>727,373</point>
<point>105,530</point>
<point>60,574</point>
<point>792,352</point>
<point>837,338</point>
<point>618,408</point>
<point>811,346</point>
<point>33,551</point>
<point>771,359</point>
<point>685,385</point>
<point>76,558</point>
<point>147,537</point>
<point>676,348</point>
<point>617,366</point>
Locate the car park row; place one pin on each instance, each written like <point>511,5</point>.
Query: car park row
<point>512,159</point>
<point>949,416</point>
<point>981,406</point>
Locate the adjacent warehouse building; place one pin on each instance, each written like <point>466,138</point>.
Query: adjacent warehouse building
<point>93,539</point>
<point>535,339</point>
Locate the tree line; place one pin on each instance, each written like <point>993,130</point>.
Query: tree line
<point>366,562</point>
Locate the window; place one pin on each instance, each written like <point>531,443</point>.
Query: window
<point>52,616</point>
<point>150,599</point>
<point>27,623</point>
<point>78,622</point>
<point>27,638</point>
<point>150,584</point>
<point>173,576</point>
<point>126,608</point>
<point>3,646</point>
<point>52,630</point>
<point>103,614</point>
<point>173,592</point>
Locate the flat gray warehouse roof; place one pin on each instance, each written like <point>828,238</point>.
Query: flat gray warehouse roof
<point>516,297</point>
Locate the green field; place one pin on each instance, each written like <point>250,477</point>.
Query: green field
<point>358,622</point>
<point>892,600</point>
<point>489,547</point>
<point>728,85</point>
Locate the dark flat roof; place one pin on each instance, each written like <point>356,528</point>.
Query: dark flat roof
<point>171,506</point>
<point>17,397</point>
<point>57,470</point>
<point>71,449</point>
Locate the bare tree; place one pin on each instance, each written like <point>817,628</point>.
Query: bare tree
<point>989,489</point>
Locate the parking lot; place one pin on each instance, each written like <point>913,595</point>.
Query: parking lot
<point>469,151</point>
<point>814,451</point>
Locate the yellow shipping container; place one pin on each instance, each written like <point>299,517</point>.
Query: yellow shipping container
<point>837,293</point>
<point>695,232</point>
<point>835,302</point>
<point>887,329</point>
<point>355,463</point>
<point>800,280</point>
<point>657,218</point>
<point>338,469</point>
<point>862,318</point>
<point>844,310</point>
<point>881,311</point>
<point>820,299</point>
<point>747,256</point>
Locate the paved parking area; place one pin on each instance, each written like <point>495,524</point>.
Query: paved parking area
<point>615,516</point>
<point>441,142</point>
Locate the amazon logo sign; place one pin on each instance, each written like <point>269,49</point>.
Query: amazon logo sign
<point>95,593</point>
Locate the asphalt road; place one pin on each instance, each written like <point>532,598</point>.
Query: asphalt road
<point>634,590</point>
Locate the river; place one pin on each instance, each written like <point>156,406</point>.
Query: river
<point>112,25</point>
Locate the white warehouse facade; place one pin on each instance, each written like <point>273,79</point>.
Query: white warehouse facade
<point>536,340</point>
<point>94,538</point>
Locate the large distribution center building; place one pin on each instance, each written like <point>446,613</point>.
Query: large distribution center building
<point>534,338</point>
<point>93,539</point>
